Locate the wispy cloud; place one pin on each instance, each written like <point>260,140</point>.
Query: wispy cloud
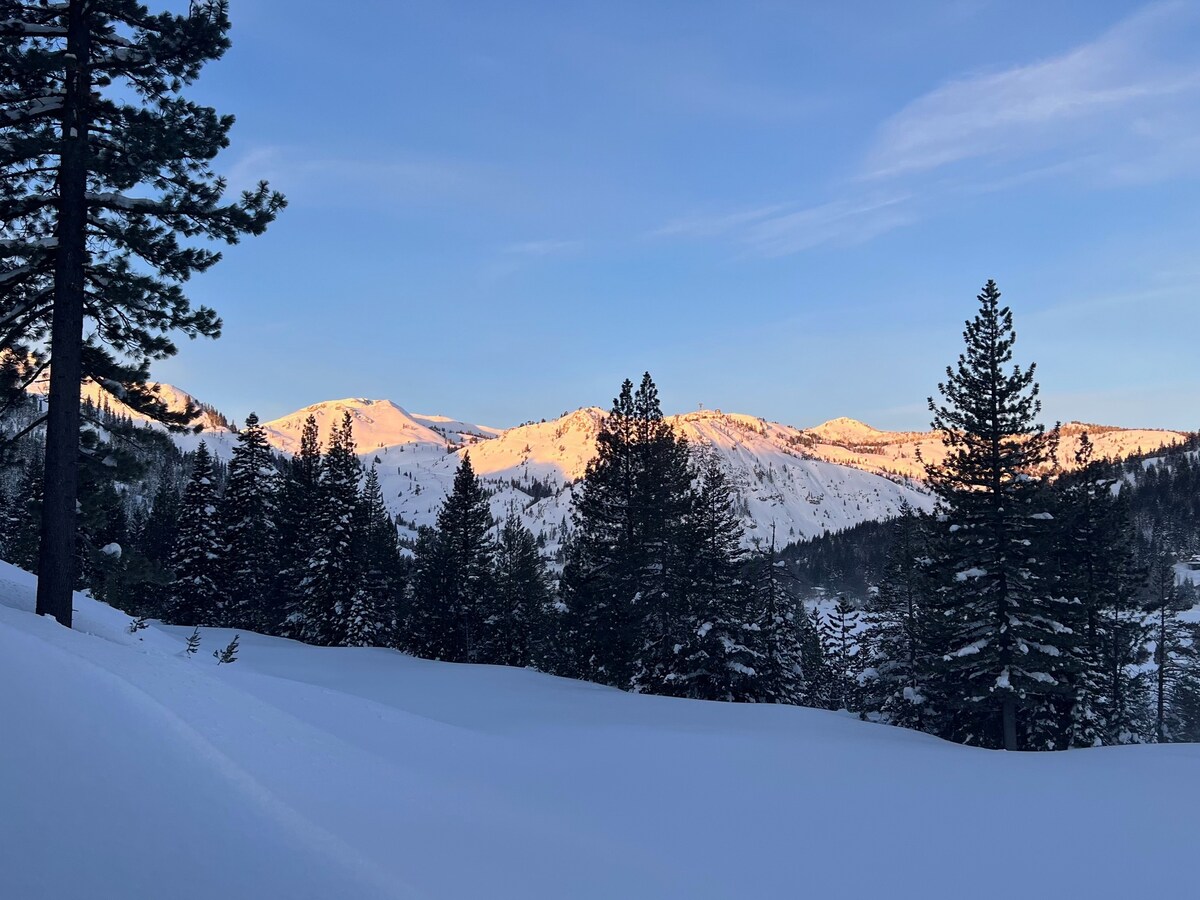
<point>335,181</point>
<point>781,229</point>
<point>548,247</point>
<point>1123,108</point>
<point>1119,88</point>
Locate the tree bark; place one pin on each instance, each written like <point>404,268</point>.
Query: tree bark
<point>56,557</point>
<point>1010,723</point>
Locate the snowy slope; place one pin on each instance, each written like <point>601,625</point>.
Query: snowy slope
<point>530,470</point>
<point>220,439</point>
<point>306,772</point>
<point>852,443</point>
<point>804,482</point>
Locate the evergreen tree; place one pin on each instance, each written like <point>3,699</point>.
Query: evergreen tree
<point>520,614</point>
<point>249,531</point>
<point>298,527</point>
<point>25,518</point>
<point>195,596</point>
<point>1005,634</point>
<point>373,606</point>
<point>452,591</point>
<point>841,651</point>
<point>107,167</point>
<point>155,541</point>
<point>899,631</point>
<point>1097,574</point>
<point>623,582</point>
<point>332,577</point>
<point>1176,672</point>
<point>789,667</point>
<point>719,657</point>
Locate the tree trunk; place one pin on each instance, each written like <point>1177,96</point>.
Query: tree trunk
<point>56,557</point>
<point>1160,716</point>
<point>1010,723</point>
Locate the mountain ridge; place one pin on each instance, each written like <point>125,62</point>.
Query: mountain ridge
<point>794,482</point>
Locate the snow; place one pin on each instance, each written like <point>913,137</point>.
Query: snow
<point>850,442</point>
<point>315,772</point>
<point>801,483</point>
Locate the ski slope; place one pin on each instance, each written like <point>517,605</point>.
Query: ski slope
<point>129,771</point>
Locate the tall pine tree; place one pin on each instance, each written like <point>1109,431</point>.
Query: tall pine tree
<point>107,166</point>
<point>329,585</point>
<point>196,596</point>
<point>1005,635</point>
<point>718,657</point>
<point>373,607</point>
<point>452,589</point>
<point>298,527</point>
<point>248,512</point>
<point>521,612</point>
<point>623,583</point>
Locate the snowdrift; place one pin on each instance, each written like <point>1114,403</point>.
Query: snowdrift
<point>129,770</point>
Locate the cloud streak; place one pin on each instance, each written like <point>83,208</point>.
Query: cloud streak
<point>1121,109</point>
<point>1120,88</point>
<point>337,181</point>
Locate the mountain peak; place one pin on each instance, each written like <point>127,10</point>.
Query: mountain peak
<point>846,430</point>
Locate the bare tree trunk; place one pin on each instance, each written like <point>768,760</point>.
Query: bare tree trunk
<point>1161,687</point>
<point>56,558</point>
<point>1010,723</point>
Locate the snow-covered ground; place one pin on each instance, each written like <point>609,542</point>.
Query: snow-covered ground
<point>131,772</point>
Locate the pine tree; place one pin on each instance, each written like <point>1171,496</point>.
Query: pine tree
<point>373,606</point>
<point>842,653</point>
<point>298,527</point>
<point>899,630</point>
<point>1176,669</point>
<point>25,517</point>
<point>719,657</point>
<point>1097,574</point>
<point>453,587</point>
<point>789,668</point>
<point>155,542</point>
<point>1005,634</point>
<point>332,576</point>
<point>248,515</point>
<point>623,579</point>
<point>107,168</point>
<point>195,596</point>
<point>520,613</point>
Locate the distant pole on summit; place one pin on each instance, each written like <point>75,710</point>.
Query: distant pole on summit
<point>100,187</point>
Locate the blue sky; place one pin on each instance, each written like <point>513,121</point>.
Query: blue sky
<point>500,210</point>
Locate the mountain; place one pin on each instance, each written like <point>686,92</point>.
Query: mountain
<point>799,482</point>
<point>377,424</point>
<point>530,469</point>
<point>849,442</point>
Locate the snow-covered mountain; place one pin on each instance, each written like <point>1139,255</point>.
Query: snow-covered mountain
<point>377,424</point>
<point>853,443</point>
<point>530,469</point>
<point>801,482</point>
